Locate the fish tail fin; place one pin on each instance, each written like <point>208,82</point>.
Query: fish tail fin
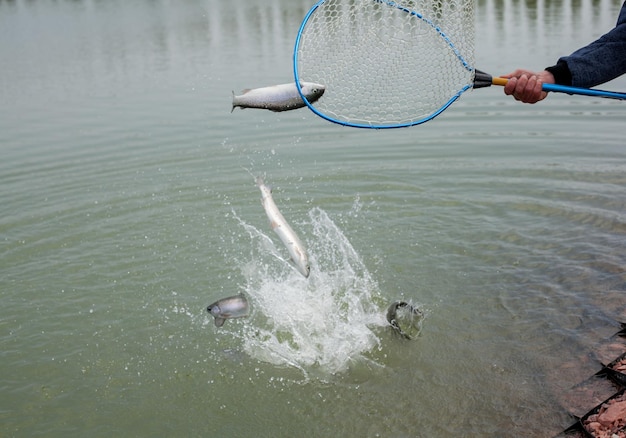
<point>249,172</point>
<point>233,108</point>
<point>219,322</point>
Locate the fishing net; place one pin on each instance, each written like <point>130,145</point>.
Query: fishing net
<point>383,63</point>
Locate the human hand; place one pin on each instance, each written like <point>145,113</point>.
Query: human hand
<point>526,86</point>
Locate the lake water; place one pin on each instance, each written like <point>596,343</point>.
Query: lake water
<point>129,204</point>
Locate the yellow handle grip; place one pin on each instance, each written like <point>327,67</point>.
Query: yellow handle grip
<point>499,81</point>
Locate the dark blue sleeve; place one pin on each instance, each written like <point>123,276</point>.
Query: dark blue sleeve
<point>602,60</point>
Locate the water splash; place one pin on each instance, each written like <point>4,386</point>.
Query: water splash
<point>323,323</point>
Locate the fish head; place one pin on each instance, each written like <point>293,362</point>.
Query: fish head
<point>214,309</point>
<point>405,319</point>
<point>306,270</point>
<point>230,307</point>
<point>312,91</point>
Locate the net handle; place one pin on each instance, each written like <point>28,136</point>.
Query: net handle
<point>570,90</point>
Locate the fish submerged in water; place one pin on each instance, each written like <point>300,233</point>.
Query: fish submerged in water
<point>285,233</point>
<point>227,308</point>
<point>282,97</point>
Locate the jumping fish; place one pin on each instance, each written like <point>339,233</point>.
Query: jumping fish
<point>227,308</point>
<point>284,231</point>
<point>282,97</point>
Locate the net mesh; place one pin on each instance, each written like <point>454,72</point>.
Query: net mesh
<point>386,63</point>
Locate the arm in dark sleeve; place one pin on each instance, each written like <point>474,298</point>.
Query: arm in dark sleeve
<point>599,62</point>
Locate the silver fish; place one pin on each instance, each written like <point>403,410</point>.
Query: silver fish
<point>227,308</point>
<point>282,97</point>
<point>281,227</point>
<point>405,319</point>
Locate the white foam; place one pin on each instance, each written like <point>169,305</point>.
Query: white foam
<point>322,323</point>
